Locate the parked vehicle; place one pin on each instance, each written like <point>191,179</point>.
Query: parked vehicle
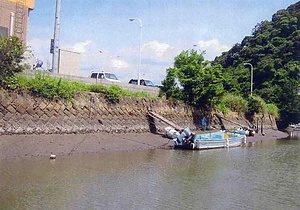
<point>104,75</point>
<point>142,82</point>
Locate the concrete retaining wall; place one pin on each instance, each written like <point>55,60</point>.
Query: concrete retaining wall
<point>90,112</point>
<point>23,114</point>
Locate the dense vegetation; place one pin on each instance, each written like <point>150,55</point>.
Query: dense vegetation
<point>202,85</point>
<point>273,50</point>
<point>11,55</point>
<point>45,86</point>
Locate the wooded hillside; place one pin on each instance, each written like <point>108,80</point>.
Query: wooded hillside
<point>273,49</point>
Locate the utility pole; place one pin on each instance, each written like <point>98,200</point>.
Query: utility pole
<point>55,43</point>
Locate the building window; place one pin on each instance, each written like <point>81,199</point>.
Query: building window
<point>3,31</point>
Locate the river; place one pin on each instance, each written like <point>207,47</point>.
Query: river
<point>265,175</point>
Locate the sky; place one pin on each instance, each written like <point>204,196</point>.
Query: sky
<point>101,32</point>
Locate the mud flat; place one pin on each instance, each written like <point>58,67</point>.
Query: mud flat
<point>18,146</point>
<point>21,146</point>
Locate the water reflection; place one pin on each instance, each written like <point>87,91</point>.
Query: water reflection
<point>263,176</point>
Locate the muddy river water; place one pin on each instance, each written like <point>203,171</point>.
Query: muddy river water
<point>265,175</point>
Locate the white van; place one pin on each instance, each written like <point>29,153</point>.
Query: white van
<point>104,75</point>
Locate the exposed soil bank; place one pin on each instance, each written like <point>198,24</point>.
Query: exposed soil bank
<point>269,135</point>
<point>20,146</point>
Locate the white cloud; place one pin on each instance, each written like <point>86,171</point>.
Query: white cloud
<point>117,63</point>
<point>212,48</point>
<point>156,58</point>
<point>80,47</point>
<point>158,51</point>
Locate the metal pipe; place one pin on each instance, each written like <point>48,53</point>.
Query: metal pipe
<point>12,21</point>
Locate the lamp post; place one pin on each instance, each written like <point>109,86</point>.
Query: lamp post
<point>251,87</point>
<point>140,59</point>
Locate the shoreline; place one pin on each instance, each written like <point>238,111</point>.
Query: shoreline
<point>269,135</point>
<point>23,146</point>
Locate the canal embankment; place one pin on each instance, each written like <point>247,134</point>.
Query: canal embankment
<point>22,113</point>
<point>31,126</point>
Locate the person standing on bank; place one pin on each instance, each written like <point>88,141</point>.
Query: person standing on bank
<point>203,123</point>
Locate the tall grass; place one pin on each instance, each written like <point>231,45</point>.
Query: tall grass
<point>273,110</point>
<point>231,102</point>
<point>256,105</point>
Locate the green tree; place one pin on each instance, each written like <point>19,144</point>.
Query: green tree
<point>170,86</point>
<point>194,80</point>
<point>273,50</point>
<point>237,80</point>
<point>11,55</point>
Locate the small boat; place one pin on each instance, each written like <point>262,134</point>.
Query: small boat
<point>292,125</point>
<point>219,139</point>
<point>295,133</point>
<point>244,131</point>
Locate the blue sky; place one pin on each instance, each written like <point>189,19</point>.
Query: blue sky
<point>168,27</point>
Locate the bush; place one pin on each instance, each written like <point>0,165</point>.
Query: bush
<point>97,88</point>
<point>51,88</point>
<point>272,109</point>
<point>256,105</point>
<point>11,55</point>
<point>113,94</point>
<point>223,108</point>
<point>231,102</point>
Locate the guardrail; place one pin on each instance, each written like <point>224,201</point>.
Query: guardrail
<point>153,91</point>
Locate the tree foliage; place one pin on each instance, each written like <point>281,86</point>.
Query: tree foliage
<point>11,55</point>
<point>273,49</point>
<point>193,80</point>
<point>256,105</point>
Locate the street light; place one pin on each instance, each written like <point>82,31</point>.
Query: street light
<point>251,87</point>
<point>140,59</point>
